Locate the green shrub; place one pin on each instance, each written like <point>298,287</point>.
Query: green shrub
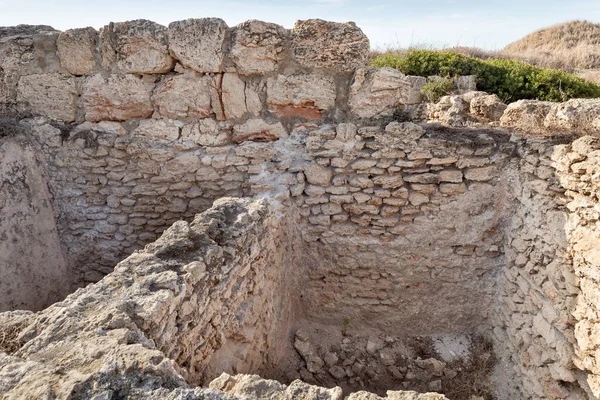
<point>511,80</point>
<point>436,88</point>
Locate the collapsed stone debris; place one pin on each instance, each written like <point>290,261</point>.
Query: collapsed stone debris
<point>247,200</point>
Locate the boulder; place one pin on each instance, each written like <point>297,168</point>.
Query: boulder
<point>116,98</point>
<point>527,114</point>
<point>198,43</point>
<point>137,47</point>
<point>76,49</point>
<point>582,115</point>
<point>301,95</point>
<point>257,47</point>
<point>488,107</point>
<point>336,46</point>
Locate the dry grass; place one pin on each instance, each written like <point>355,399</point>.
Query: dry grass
<point>473,373</point>
<point>572,46</point>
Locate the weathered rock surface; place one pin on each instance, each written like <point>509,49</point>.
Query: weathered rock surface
<point>198,43</point>
<point>184,96</point>
<point>582,115</point>
<point>116,98</point>
<point>258,130</point>
<point>257,47</point>
<point>488,107</point>
<point>77,49</point>
<point>301,95</point>
<point>526,114</point>
<point>378,92</point>
<point>137,47</point>
<point>51,95</point>
<point>329,45</point>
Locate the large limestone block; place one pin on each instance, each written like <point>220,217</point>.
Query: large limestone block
<point>257,47</point>
<point>233,96</point>
<point>526,114</point>
<point>378,92</point>
<point>29,51</point>
<point>137,47</point>
<point>116,98</point>
<point>330,45</point>
<point>184,96</point>
<point>301,95</point>
<point>198,43</point>
<point>77,50</point>
<point>52,95</point>
<point>576,114</point>
<point>257,129</point>
<point>488,107</point>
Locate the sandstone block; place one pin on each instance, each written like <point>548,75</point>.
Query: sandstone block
<point>329,45</point>
<point>488,107</point>
<point>480,174</point>
<point>449,175</point>
<point>360,209</point>
<point>417,199</point>
<point>184,96</point>
<point>378,92</point>
<point>116,98</point>
<point>414,93</point>
<point>345,132</point>
<point>407,131</point>
<point>317,175</point>
<point>233,96</point>
<point>137,47</point>
<point>422,178</point>
<point>207,132</point>
<point>453,188</point>
<point>257,47</point>
<point>76,49</point>
<point>198,43</point>
<point>579,114</point>
<point>389,181</point>
<point>363,163</point>
<point>301,95</point>
<point>255,150</point>
<point>52,95</point>
<point>331,208</point>
<point>156,129</point>
<point>527,114</point>
<point>257,129</point>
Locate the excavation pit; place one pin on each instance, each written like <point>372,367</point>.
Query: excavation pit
<point>258,210</point>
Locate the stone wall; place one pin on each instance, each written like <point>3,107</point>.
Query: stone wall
<point>35,271</point>
<point>547,307</point>
<point>145,117</point>
<point>406,226</point>
<point>205,298</point>
<point>402,228</point>
<point>578,168</point>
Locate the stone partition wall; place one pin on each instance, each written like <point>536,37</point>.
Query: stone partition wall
<point>207,297</point>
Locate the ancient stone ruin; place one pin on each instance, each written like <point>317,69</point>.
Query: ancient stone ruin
<point>205,212</point>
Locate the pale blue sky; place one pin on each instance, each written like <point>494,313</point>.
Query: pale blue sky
<point>489,24</point>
